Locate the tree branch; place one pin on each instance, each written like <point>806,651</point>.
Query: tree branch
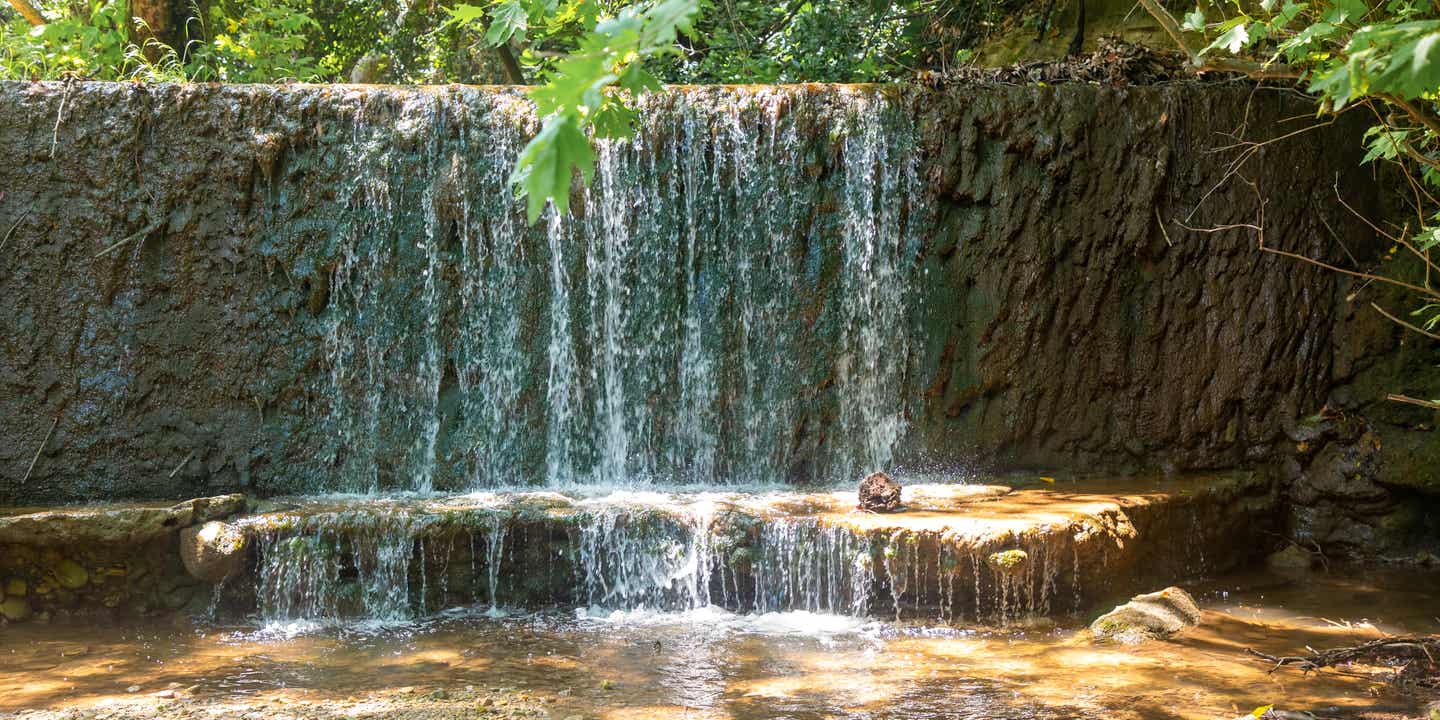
<point>1415,113</point>
<point>1172,28</point>
<point>1245,67</point>
<point>1413,401</point>
<point>28,11</point>
<point>1404,324</point>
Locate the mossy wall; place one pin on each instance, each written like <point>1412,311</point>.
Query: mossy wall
<point>285,289</point>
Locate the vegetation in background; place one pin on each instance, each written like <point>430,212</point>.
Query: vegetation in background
<point>577,50</point>
<point>1380,57</point>
<point>442,41</point>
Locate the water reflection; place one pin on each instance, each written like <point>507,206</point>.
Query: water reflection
<point>710,663</point>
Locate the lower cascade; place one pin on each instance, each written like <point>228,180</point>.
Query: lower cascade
<point>320,559</point>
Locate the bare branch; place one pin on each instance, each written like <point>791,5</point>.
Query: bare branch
<point>1352,273</point>
<point>1413,401</point>
<point>1254,70</point>
<point>1172,28</point>
<point>1404,324</point>
<point>43,442</point>
<point>1415,113</point>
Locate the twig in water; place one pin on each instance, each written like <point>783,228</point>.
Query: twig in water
<point>182,463</point>
<point>40,449</point>
<point>1412,646</point>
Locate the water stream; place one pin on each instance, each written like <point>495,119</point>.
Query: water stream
<point>726,303</point>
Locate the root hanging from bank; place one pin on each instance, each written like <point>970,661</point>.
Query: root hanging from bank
<point>1410,662</point>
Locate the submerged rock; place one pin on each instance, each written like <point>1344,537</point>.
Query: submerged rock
<point>1293,557</point>
<point>213,551</point>
<point>1152,616</point>
<point>879,493</point>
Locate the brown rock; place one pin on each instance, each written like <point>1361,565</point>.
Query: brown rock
<point>1150,616</point>
<point>213,551</point>
<point>879,493</point>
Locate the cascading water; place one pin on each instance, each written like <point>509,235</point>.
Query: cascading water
<point>725,303</point>
<point>402,559</point>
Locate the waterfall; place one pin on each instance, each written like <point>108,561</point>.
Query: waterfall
<point>725,304</point>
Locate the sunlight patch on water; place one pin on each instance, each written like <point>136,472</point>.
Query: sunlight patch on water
<point>799,623</point>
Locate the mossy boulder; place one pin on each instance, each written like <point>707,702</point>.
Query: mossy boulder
<point>1152,616</point>
<point>15,609</point>
<point>16,587</point>
<point>71,575</point>
<point>879,493</point>
<point>1292,557</point>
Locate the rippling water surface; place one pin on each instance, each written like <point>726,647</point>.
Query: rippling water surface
<point>706,663</point>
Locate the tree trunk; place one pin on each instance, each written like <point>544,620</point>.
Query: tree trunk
<point>162,21</point>
<point>28,11</point>
<point>513,73</point>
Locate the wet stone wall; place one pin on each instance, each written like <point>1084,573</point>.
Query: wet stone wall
<point>330,288</point>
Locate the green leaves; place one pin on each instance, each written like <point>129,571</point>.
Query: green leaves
<point>1394,59</point>
<point>1233,40</point>
<point>1194,21</point>
<point>579,94</point>
<point>546,165</point>
<point>1384,143</point>
<point>1399,60</point>
<point>464,14</point>
<point>508,19</point>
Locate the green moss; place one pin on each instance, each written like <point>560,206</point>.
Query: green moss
<point>71,575</point>
<point>1007,562</point>
<point>15,609</point>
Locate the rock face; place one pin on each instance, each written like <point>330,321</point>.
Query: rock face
<point>1151,616</point>
<point>178,326</point>
<point>212,552</point>
<point>879,493</point>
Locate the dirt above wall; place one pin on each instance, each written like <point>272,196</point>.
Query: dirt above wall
<point>154,347</point>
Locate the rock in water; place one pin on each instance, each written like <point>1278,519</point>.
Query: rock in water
<point>879,493</point>
<point>1156,615</point>
<point>213,551</point>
